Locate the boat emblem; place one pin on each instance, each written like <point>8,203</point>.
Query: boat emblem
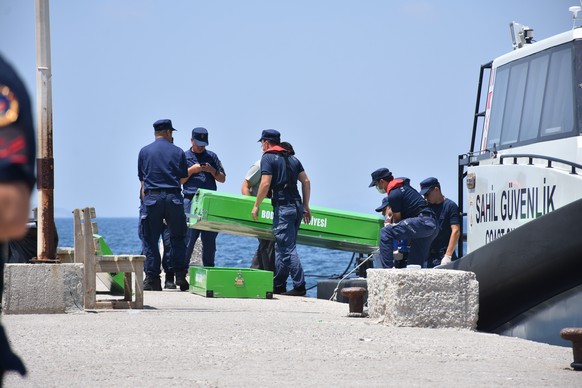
<point>471,180</point>
<point>239,281</point>
<point>9,107</point>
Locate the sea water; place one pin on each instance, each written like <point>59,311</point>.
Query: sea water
<point>232,251</point>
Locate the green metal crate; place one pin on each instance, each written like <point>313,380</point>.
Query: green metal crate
<point>231,282</point>
<point>329,228</point>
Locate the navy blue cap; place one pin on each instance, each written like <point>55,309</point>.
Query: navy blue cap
<point>163,124</point>
<point>16,127</point>
<point>381,173</point>
<point>271,135</point>
<point>383,205</point>
<point>200,136</point>
<point>428,184</point>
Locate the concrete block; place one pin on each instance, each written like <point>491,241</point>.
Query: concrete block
<point>42,288</point>
<point>435,298</point>
<point>66,254</point>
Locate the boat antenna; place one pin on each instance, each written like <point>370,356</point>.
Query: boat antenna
<point>575,10</point>
<point>520,35</point>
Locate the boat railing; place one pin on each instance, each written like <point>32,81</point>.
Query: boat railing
<point>478,113</point>
<point>549,159</point>
<point>471,158</point>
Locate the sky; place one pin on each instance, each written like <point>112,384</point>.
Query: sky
<point>352,85</point>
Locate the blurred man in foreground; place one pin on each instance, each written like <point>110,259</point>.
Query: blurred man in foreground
<point>17,158</point>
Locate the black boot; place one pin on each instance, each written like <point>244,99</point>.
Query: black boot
<point>152,283</point>
<point>279,290</point>
<point>181,281</point>
<point>299,291</point>
<point>169,284</point>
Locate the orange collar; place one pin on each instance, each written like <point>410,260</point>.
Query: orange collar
<point>276,148</point>
<point>393,184</point>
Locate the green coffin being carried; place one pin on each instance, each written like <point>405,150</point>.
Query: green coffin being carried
<point>329,228</point>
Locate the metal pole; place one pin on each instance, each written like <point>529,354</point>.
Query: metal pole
<point>46,250</point>
<point>461,199</point>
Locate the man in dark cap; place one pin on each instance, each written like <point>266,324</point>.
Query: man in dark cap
<point>412,219</point>
<point>204,170</point>
<point>442,249</point>
<point>384,208</point>
<point>17,161</point>
<point>280,172</point>
<point>264,257</point>
<point>400,247</point>
<point>161,167</point>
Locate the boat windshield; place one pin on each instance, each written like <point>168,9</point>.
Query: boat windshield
<point>534,98</point>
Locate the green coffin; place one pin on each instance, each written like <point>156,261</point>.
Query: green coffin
<point>113,281</point>
<point>220,282</point>
<point>329,228</point>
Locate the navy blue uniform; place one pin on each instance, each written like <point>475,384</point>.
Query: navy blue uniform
<point>161,165</point>
<point>288,213</point>
<point>165,239</point>
<point>201,180</point>
<point>406,200</point>
<point>17,160</point>
<point>417,224</point>
<point>447,214</point>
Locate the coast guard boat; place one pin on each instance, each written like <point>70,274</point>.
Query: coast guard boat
<point>522,188</point>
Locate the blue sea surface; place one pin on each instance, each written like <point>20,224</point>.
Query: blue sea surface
<point>232,251</point>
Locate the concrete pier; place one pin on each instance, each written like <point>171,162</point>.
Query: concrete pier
<point>182,339</point>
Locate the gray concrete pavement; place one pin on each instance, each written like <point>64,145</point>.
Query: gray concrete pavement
<point>182,339</point>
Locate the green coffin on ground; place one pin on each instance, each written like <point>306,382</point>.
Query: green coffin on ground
<point>231,282</point>
<point>329,228</point>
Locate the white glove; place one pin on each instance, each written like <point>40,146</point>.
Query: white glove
<point>446,260</point>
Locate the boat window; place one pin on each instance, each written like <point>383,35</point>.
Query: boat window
<point>533,99</point>
<point>514,104</point>
<point>532,105</point>
<point>497,105</point>
<point>558,111</point>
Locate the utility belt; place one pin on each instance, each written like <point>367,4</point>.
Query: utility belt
<point>285,196</point>
<point>163,191</point>
<point>283,202</point>
<point>426,212</point>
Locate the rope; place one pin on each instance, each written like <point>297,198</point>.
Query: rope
<point>310,288</point>
<point>334,295</point>
<point>334,276</point>
<point>349,264</point>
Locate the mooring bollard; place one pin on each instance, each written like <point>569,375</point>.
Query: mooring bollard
<point>574,334</point>
<point>356,300</point>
